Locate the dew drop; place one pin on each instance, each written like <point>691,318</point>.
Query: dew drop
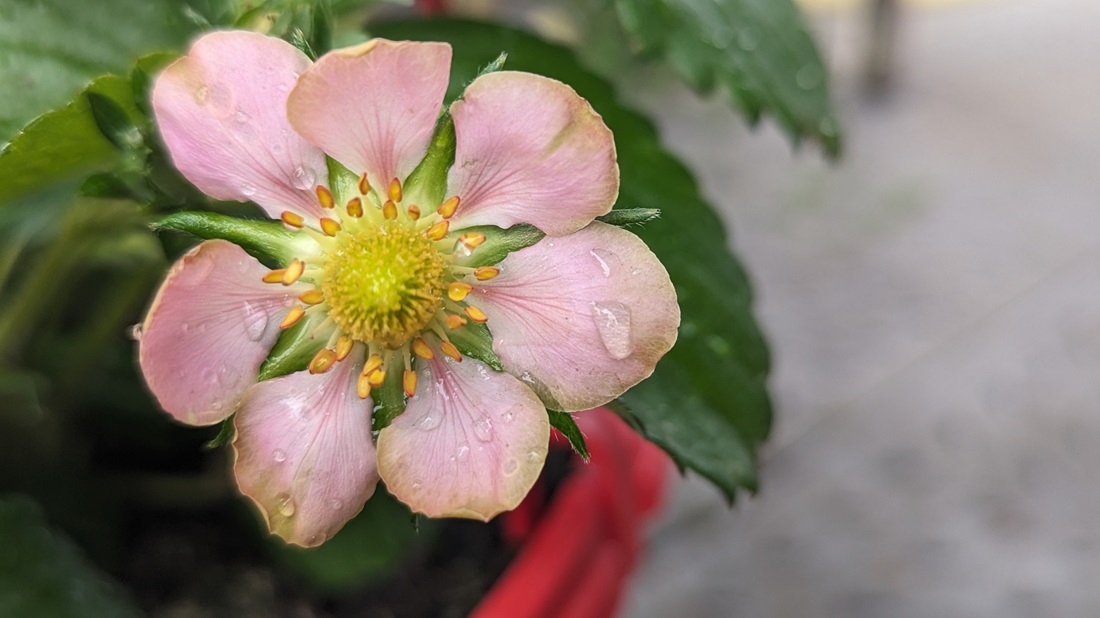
<point>416,485</point>
<point>483,429</point>
<point>200,94</point>
<point>255,321</point>
<point>279,455</point>
<point>303,178</point>
<point>135,331</point>
<point>248,189</point>
<point>285,504</point>
<point>314,539</point>
<point>613,322</point>
<point>508,416</point>
<point>602,257</point>
<point>428,422</point>
<point>335,504</point>
<point>241,117</point>
<point>463,452</point>
<point>510,467</point>
<point>534,455</point>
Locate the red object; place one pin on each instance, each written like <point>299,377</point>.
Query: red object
<point>580,548</point>
<point>431,7</point>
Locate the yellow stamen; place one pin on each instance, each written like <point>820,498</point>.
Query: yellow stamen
<point>447,209</point>
<point>389,210</point>
<point>421,349</point>
<point>355,207</point>
<point>343,347</point>
<point>292,318</point>
<point>485,273</point>
<point>476,314</point>
<point>329,226</point>
<point>458,290</point>
<point>362,387</point>
<point>394,190</point>
<point>450,350</point>
<point>438,230</point>
<point>408,381</point>
<point>364,184</point>
<point>275,276</point>
<point>324,197</point>
<point>293,271</point>
<point>454,321</point>
<point>414,212</point>
<point>312,297</point>
<point>373,364</point>
<point>376,378</point>
<point>323,361</point>
<point>472,240</point>
<point>292,219</point>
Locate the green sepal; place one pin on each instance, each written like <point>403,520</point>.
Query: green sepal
<point>563,422</point>
<point>475,340</point>
<point>426,186</point>
<point>625,217</point>
<point>496,65</point>
<point>268,241</point>
<point>389,399</point>
<point>294,348</point>
<point>343,182</point>
<point>225,434</point>
<point>499,243</point>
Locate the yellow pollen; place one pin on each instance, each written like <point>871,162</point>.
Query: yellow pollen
<point>329,226</point>
<point>292,219</point>
<point>275,276</point>
<point>472,240</point>
<point>292,318</point>
<point>447,209</point>
<point>343,347</point>
<point>458,290</point>
<point>324,197</point>
<point>450,350</point>
<point>422,349</point>
<point>414,212</point>
<point>312,297</point>
<point>383,284</point>
<point>476,314</point>
<point>362,387</point>
<point>293,271</point>
<point>364,184</point>
<point>376,378</point>
<point>485,273</point>
<point>355,207</point>
<point>408,381</point>
<point>394,190</point>
<point>323,361</point>
<point>454,321</point>
<point>389,210</point>
<point>438,230</point>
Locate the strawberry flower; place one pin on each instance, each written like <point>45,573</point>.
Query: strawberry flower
<point>385,271</point>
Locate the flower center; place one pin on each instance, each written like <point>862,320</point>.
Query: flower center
<point>383,283</point>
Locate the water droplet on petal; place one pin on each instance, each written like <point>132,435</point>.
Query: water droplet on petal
<point>463,452</point>
<point>428,422</point>
<point>483,429</point>
<point>613,323</point>
<point>255,321</point>
<point>279,455</point>
<point>248,189</point>
<point>135,331</point>
<point>534,455</point>
<point>508,416</point>
<point>285,504</point>
<point>602,257</point>
<point>416,485</point>
<point>241,117</point>
<point>336,504</point>
<point>200,94</point>
<point>303,178</point>
<point>510,467</point>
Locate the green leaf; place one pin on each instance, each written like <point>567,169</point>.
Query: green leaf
<point>499,243</point>
<point>626,217</point>
<point>475,340</point>
<point>427,184</point>
<point>53,48</point>
<point>267,241</point>
<point>295,348</point>
<point>707,403</point>
<point>43,574</point>
<point>563,422</point>
<point>226,431</point>
<point>758,51</point>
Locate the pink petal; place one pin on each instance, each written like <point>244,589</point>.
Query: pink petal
<point>530,150</point>
<point>208,330</point>
<point>470,443</point>
<point>304,453</point>
<point>583,317</point>
<point>373,107</point>
<point>221,110</point>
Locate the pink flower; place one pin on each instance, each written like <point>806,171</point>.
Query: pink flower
<point>576,318</point>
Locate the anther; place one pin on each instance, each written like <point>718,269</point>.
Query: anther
<point>355,207</point>
<point>292,219</point>
<point>471,240</point>
<point>376,378</point>
<point>329,226</point>
<point>450,350</point>
<point>323,361</point>
<point>454,321</point>
<point>485,273</point>
<point>362,387</point>
<point>389,210</point>
<point>476,314</point>
<point>324,197</point>
<point>275,276</point>
<point>457,290</point>
<point>292,318</point>
<point>394,190</point>
<point>421,349</point>
<point>447,209</point>
<point>343,347</point>
<point>438,231</point>
<point>293,271</point>
<point>312,297</point>
<point>373,364</point>
<point>408,381</point>
<point>414,212</point>
<point>364,184</point>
